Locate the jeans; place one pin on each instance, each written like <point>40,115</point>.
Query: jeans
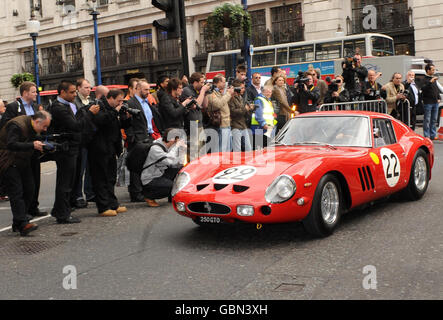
<point>224,139</point>
<point>237,137</point>
<point>430,120</point>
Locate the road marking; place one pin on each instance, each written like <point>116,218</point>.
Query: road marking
<point>33,220</point>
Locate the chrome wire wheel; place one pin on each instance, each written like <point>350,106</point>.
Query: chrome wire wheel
<point>420,173</point>
<point>330,203</point>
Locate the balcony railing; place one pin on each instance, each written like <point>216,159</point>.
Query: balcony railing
<point>390,17</point>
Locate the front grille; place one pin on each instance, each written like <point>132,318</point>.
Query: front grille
<point>209,208</point>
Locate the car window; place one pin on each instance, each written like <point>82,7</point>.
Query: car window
<point>384,134</point>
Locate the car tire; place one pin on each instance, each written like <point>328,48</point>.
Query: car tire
<point>419,178</point>
<point>326,209</point>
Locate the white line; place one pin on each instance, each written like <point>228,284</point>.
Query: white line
<point>33,220</point>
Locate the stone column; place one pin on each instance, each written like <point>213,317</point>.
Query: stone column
<point>88,52</point>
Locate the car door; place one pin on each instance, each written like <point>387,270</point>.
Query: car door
<point>389,158</point>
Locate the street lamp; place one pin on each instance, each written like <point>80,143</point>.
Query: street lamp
<point>33,27</point>
<point>94,15</point>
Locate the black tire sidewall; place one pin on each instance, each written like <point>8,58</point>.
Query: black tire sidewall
<point>414,193</point>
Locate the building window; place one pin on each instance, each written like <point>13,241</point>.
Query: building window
<point>167,48</point>
<point>68,6</point>
<point>28,58</point>
<point>287,24</point>
<point>136,47</point>
<point>108,53</point>
<point>74,59</point>
<point>52,60</point>
<point>258,36</point>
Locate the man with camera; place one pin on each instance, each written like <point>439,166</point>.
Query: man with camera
<point>431,101</point>
<point>372,89</point>
<point>82,176</point>
<point>414,95</point>
<point>218,103</point>
<point>306,95</point>
<point>147,125</point>
<point>18,143</point>
<point>395,97</point>
<point>354,75</point>
<point>103,150</point>
<point>197,90</point>
<point>239,111</point>
<point>66,121</point>
<point>336,92</point>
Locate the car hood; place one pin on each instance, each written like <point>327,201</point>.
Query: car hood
<point>268,163</point>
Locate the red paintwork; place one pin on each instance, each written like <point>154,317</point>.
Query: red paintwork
<point>306,164</point>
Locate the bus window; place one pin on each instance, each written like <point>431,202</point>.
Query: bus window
<point>328,50</point>
<point>226,62</point>
<point>350,47</point>
<point>282,55</point>
<point>217,63</point>
<point>263,58</point>
<point>382,46</point>
<point>301,54</point>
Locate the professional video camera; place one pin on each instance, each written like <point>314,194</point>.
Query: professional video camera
<point>300,80</point>
<point>131,111</point>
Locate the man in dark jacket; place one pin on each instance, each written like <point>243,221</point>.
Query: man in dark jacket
<point>18,142</point>
<point>306,96</point>
<point>336,92</point>
<point>414,96</point>
<point>147,125</point>
<point>240,113</point>
<point>26,105</point>
<point>172,111</point>
<point>254,89</point>
<point>65,121</point>
<point>431,100</point>
<point>103,150</point>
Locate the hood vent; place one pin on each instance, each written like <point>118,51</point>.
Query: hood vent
<point>201,186</point>
<point>240,189</point>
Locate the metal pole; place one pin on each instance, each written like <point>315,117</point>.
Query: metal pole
<point>184,37</point>
<point>36,73</point>
<point>247,45</point>
<point>97,48</point>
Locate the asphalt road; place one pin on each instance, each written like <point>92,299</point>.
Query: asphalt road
<point>150,253</point>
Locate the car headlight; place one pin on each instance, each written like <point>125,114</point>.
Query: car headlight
<point>180,182</point>
<point>281,190</point>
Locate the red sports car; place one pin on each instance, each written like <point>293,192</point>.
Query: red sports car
<point>319,166</point>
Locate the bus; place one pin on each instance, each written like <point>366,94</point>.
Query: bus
<point>326,54</point>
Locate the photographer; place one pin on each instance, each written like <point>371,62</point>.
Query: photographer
<point>306,95</point>
<point>172,111</point>
<point>147,125</point>
<point>336,91</point>
<point>395,97</point>
<point>18,142</point>
<point>354,75</point>
<point>414,95</point>
<point>218,103</point>
<point>239,112</point>
<point>282,95</point>
<point>164,161</point>
<point>65,122</point>
<point>26,105</point>
<point>372,89</point>
<point>103,150</point>
<point>431,100</point>
<point>162,84</point>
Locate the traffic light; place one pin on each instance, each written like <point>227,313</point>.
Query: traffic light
<point>171,23</point>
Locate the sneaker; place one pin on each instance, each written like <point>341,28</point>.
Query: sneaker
<point>108,213</point>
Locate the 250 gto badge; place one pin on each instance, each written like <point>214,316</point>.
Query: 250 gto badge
<point>391,166</point>
<point>234,175</point>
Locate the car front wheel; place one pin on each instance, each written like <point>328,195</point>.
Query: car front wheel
<point>419,178</point>
<point>326,208</point>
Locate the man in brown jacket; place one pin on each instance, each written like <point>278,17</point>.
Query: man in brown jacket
<point>218,101</point>
<point>239,113</point>
<point>394,93</point>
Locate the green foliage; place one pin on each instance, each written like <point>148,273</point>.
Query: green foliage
<point>18,78</point>
<point>229,16</point>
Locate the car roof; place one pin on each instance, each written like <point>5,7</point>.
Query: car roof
<point>347,114</point>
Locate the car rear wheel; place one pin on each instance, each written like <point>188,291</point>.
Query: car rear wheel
<point>419,178</point>
<point>326,208</point>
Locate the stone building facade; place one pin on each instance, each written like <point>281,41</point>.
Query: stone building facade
<point>130,45</point>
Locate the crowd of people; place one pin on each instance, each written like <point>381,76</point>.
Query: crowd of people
<point>86,136</point>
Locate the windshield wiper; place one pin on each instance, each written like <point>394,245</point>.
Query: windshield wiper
<point>316,143</point>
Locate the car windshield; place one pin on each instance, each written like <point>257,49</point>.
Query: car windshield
<point>341,131</point>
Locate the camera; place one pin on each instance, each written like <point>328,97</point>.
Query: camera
<point>374,93</point>
<point>350,62</point>
<point>56,142</point>
<point>52,146</point>
<point>237,90</point>
<point>191,103</point>
<point>300,80</point>
<point>131,111</point>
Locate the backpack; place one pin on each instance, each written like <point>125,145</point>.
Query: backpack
<point>137,156</point>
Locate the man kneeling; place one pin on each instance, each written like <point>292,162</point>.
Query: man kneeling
<point>164,161</point>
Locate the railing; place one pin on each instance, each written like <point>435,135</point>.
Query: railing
<point>136,55</point>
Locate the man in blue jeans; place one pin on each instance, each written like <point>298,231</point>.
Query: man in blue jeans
<point>431,100</point>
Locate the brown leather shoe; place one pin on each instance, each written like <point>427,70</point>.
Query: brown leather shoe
<point>121,209</point>
<point>28,229</point>
<point>108,213</point>
<point>152,203</point>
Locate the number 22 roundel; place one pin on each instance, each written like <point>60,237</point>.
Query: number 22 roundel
<point>235,174</point>
<point>391,166</point>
